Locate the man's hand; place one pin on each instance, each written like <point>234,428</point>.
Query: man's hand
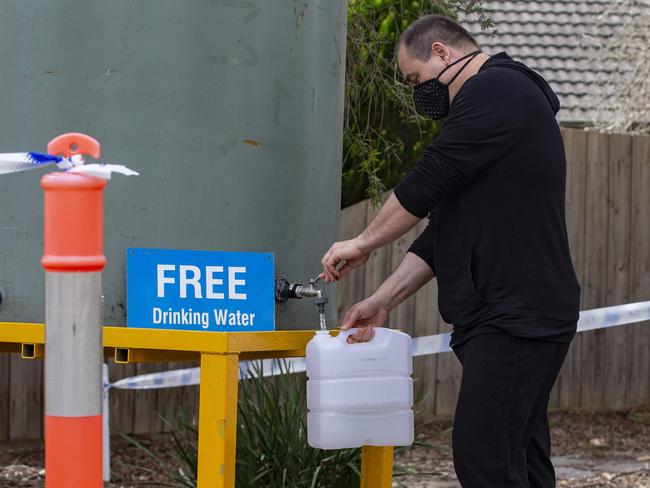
<point>365,315</point>
<point>391,222</point>
<point>348,251</point>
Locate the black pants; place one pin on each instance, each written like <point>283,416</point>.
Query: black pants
<point>501,436</point>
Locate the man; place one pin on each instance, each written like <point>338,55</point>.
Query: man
<point>493,185</point>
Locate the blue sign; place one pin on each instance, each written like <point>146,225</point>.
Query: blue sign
<point>200,290</point>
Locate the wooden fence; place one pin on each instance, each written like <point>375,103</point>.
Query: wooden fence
<point>608,218</point>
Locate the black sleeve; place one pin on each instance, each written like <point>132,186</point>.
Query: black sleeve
<point>423,245</point>
<point>485,121</point>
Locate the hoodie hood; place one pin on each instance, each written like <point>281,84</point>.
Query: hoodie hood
<point>503,60</point>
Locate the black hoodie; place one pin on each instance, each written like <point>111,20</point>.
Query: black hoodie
<point>493,185</point>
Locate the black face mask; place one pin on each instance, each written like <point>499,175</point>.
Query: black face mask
<point>432,97</point>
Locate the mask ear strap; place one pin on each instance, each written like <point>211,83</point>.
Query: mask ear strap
<point>472,54</point>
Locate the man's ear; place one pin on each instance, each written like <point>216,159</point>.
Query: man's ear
<point>440,50</point>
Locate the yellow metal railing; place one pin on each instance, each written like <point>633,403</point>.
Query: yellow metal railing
<point>219,354</point>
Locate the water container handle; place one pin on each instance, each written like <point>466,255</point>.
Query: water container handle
<point>344,334</point>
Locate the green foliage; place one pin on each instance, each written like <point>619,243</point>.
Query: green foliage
<point>383,134</point>
<point>272,445</point>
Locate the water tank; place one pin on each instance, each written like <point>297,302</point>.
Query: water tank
<point>231,110</point>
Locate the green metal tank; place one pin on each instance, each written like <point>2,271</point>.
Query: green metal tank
<point>231,110</point>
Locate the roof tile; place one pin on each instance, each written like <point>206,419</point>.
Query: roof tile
<point>550,37</point>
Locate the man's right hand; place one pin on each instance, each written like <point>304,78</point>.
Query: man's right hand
<point>349,251</point>
<point>365,315</point>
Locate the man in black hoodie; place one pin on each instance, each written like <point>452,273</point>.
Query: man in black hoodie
<point>493,186</point>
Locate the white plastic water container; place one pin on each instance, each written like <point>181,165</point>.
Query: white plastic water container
<point>360,394</point>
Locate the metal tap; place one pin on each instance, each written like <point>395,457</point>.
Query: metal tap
<point>285,290</point>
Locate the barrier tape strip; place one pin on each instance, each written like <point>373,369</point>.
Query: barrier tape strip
<point>16,162</point>
<point>598,318</point>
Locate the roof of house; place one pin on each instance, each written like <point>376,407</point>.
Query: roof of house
<point>552,37</point>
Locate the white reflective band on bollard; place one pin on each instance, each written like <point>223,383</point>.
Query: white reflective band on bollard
<point>73,344</point>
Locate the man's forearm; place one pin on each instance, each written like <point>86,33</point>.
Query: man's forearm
<point>392,222</point>
<point>411,275</point>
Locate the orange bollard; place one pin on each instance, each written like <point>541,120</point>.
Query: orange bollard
<point>73,261</point>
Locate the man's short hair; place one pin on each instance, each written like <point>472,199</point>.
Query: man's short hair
<point>421,34</point>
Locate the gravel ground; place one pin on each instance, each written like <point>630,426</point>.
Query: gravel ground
<point>591,450</point>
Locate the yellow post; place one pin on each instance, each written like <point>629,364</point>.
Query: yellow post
<point>217,420</point>
<point>376,467</point>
